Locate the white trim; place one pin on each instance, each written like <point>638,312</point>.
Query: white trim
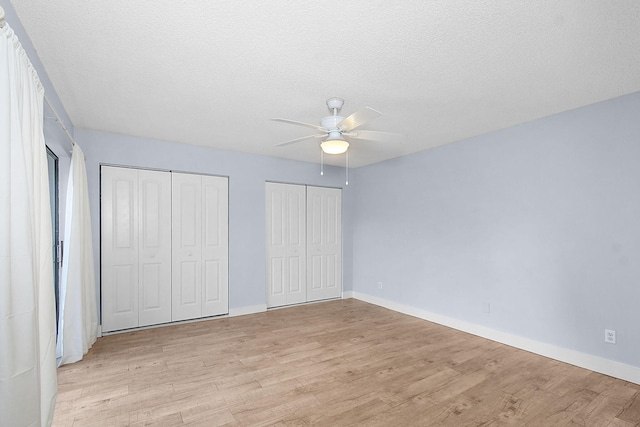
<point>249,309</point>
<point>280,307</point>
<point>347,294</point>
<point>252,309</point>
<point>583,360</point>
<point>162,325</point>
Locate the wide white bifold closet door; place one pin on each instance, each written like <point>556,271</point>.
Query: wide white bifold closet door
<point>304,244</point>
<point>286,244</point>
<point>136,248</point>
<point>200,246</point>
<point>164,247</point>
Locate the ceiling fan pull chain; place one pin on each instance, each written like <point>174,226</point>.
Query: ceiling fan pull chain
<point>347,169</point>
<point>321,162</point>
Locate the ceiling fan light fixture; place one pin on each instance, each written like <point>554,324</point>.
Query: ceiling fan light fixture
<point>334,145</point>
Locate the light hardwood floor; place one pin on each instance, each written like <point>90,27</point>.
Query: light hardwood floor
<point>335,363</point>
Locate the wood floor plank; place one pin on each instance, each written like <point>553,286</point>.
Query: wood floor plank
<point>337,363</point>
<point>631,411</point>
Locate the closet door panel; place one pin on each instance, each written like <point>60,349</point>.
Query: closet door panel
<point>314,236</point>
<point>296,244</point>
<point>119,229</point>
<point>123,295</point>
<point>276,244</point>
<point>186,289</point>
<point>286,244</point>
<point>189,285</point>
<point>215,223</point>
<point>324,250</point>
<point>155,247</point>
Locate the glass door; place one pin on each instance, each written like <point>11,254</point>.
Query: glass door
<point>52,162</point>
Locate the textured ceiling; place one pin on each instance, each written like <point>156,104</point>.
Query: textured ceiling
<point>212,72</point>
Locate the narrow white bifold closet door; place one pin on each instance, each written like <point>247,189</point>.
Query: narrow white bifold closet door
<point>324,243</point>
<point>136,247</point>
<point>303,243</point>
<point>200,246</point>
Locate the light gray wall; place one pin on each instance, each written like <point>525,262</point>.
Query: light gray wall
<point>540,221</point>
<point>247,176</point>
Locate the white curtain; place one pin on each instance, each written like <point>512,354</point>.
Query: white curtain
<point>78,318</point>
<point>27,307</point>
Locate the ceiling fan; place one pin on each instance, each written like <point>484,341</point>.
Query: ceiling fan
<point>337,131</point>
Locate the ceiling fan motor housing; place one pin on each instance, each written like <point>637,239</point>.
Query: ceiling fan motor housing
<point>330,123</point>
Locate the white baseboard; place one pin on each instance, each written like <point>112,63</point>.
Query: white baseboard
<point>250,309</point>
<point>347,294</point>
<point>583,360</point>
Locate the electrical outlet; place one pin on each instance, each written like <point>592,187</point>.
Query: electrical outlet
<point>379,285</point>
<point>610,336</point>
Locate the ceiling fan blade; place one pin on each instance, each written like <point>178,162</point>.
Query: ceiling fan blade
<point>372,135</point>
<point>293,141</point>
<point>293,122</point>
<point>359,118</point>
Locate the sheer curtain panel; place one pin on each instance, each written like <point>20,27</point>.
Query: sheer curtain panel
<point>78,322</point>
<point>27,307</point>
